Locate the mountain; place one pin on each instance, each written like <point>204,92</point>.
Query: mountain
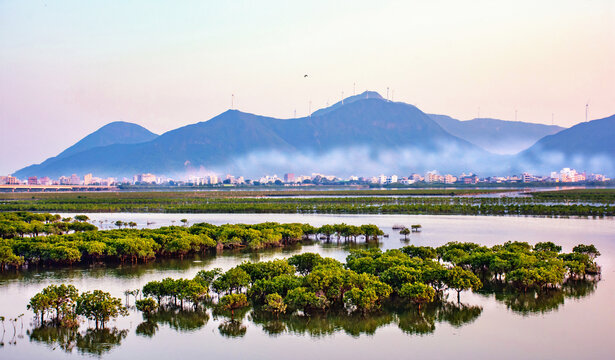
<point>497,136</point>
<point>118,132</point>
<point>365,135</point>
<point>586,146</point>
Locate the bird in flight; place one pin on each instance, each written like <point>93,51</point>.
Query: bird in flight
<point>305,75</point>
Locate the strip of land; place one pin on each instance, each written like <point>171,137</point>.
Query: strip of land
<point>583,202</point>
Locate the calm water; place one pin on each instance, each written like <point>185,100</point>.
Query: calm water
<point>487,326</point>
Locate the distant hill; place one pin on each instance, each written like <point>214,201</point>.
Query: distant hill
<point>586,146</point>
<point>365,135</point>
<point>497,136</point>
<point>118,132</point>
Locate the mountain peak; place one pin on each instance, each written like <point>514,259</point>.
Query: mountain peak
<point>349,100</point>
<point>116,132</point>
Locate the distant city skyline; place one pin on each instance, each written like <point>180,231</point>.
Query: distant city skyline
<point>69,67</point>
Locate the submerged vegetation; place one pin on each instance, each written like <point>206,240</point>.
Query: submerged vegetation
<point>63,305</point>
<point>35,239</point>
<point>308,294</point>
<point>596,202</point>
<point>308,283</point>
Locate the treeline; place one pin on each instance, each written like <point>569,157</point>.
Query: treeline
<point>590,195</point>
<point>143,245</point>
<point>309,283</point>
<point>148,195</point>
<point>20,224</point>
<point>540,206</point>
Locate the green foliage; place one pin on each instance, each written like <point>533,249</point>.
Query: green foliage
<point>206,277</point>
<point>267,270</point>
<point>100,306</point>
<point>277,285</point>
<point>399,275</point>
<point>423,252</point>
<point>303,299</point>
<point>547,246</point>
<point>8,258</point>
<point>367,293</point>
<point>41,238</point>
<point>58,300</point>
<point>275,303</point>
<point>305,263</point>
<point>417,292</point>
<point>232,302</point>
<point>147,305</point>
<point>589,250</point>
<point>560,203</point>
<point>461,279</point>
<point>234,279</point>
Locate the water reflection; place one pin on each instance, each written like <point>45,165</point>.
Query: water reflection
<point>407,317</point>
<point>539,302</point>
<point>177,318</point>
<point>91,341</point>
<point>232,328</point>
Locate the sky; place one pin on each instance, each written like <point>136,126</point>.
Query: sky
<point>69,67</point>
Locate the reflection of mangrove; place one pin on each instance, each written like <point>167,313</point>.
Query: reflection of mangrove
<point>91,341</point>
<point>16,334</point>
<point>540,301</point>
<point>176,318</point>
<point>147,328</point>
<point>407,317</point>
<point>232,328</point>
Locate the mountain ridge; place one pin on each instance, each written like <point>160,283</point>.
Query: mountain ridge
<point>371,124</point>
<point>364,135</point>
<point>586,146</point>
<point>495,135</point>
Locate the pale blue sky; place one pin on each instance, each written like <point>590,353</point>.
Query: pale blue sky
<point>69,67</point>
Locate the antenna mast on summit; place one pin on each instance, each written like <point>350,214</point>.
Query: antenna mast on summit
<point>586,108</point>
<point>342,98</point>
<point>387,93</point>
<point>354,90</point>
<point>232,101</point>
